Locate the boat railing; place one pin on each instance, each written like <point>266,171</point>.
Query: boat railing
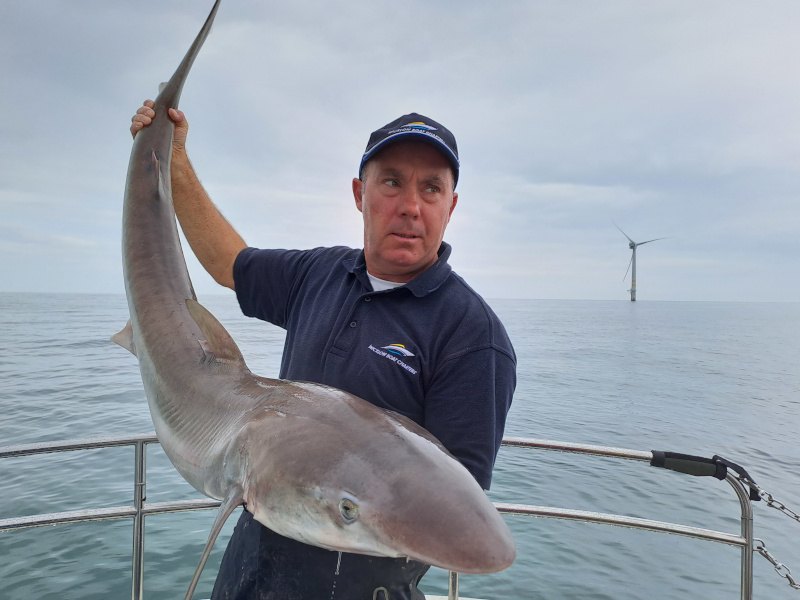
<point>140,508</point>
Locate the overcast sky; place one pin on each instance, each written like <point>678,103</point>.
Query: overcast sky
<point>672,119</point>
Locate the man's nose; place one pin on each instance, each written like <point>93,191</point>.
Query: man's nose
<point>409,202</point>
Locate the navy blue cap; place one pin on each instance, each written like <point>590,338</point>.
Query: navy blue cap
<point>417,127</point>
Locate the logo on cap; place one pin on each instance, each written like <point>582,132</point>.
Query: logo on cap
<point>420,125</point>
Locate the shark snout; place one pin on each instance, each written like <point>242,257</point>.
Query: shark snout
<point>467,535</point>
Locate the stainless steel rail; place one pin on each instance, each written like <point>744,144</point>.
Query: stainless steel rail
<point>140,508</point>
<point>138,511</point>
<point>744,541</point>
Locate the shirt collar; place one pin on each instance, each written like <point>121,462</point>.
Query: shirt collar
<point>423,284</point>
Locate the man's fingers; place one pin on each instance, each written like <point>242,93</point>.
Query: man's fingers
<point>141,120</point>
<point>143,117</point>
<point>146,111</point>
<point>145,114</point>
<point>176,115</point>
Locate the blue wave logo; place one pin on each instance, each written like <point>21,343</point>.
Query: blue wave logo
<point>397,350</point>
<point>420,125</point>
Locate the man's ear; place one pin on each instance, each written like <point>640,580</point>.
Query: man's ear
<point>453,205</point>
<point>358,193</point>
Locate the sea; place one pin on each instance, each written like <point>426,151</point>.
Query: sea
<point>702,378</point>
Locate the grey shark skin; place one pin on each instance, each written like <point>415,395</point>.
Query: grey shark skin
<point>309,461</point>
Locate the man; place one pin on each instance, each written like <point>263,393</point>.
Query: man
<point>391,323</point>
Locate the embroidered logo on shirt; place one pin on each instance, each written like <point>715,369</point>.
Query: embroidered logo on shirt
<point>398,350</point>
<point>394,352</point>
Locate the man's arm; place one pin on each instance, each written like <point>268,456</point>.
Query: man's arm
<point>212,238</point>
<point>467,404</point>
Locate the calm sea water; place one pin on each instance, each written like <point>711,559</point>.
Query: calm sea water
<point>699,378</point>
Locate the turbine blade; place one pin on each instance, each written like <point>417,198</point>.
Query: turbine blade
<point>623,233</point>
<point>648,241</point>
<point>630,262</point>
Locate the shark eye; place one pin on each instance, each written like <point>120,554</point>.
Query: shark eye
<point>348,510</point>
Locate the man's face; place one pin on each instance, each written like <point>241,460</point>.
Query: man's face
<point>406,198</point>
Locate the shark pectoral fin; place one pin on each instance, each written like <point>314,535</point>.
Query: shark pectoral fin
<point>125,338</point>
<point>233,500</point>
<point>218,343</point>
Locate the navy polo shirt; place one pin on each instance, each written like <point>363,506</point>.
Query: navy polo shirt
<point>431,349</point>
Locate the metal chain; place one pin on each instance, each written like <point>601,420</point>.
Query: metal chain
<point>771,501</point>
<point>780,568</point>
<point>767,497</point>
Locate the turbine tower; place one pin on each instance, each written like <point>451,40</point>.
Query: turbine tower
<point>632,264</point>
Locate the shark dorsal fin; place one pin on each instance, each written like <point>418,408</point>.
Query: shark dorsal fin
<point>218,343</point>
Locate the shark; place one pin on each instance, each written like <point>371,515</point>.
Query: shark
<point>309,461</point>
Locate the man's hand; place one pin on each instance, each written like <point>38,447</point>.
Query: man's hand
<point>145,114</point>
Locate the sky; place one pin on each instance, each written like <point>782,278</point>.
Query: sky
<point>671,119</point>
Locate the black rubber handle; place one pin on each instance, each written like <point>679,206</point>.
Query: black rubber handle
<point>698,466</point>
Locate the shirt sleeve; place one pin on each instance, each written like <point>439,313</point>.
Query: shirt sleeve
<point>265,280</point>
<point>467,404</point>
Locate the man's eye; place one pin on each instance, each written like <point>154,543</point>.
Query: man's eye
<point>433,189</point>
<point>391,182</point>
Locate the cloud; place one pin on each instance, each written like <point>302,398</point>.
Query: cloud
<point>670,119</point>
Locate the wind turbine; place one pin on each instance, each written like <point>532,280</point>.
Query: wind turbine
<point>632,264</point>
